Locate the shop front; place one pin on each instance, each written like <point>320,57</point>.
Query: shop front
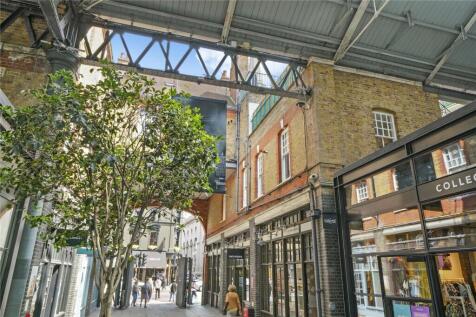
<point>287,285</point>
<point>212,284</point>
<point>407,222</point>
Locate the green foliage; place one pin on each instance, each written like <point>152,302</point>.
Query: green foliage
<point>102,154</point>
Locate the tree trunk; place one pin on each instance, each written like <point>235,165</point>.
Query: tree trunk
<point>106,303</point>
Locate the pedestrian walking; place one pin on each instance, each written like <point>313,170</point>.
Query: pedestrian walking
<point>163,283</point>
<point>157,286</point>
<point>145,293</point>
<point>173,290</point>
<point>143,296</point>
<point>232,302</point>
<point>135,292</point>
<point>150,288</point>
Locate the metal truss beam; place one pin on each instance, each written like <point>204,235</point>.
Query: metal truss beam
<point>48,7</point>
<point>9,20</point>
<point>203,80</point>
<point>241,81</point>
<point>342,50</point>
<point>447,52</point>
<point>230,11</point>
<point>351,29</point>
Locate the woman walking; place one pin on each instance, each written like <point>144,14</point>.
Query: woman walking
<point>232,302</point>
<point>135,292</point>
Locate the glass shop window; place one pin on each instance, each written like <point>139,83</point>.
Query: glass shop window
<point>388,181</point>
<point>278,251</point>
<point>405,277</point>
<point>451,222</point>
<point>310,275</point>
<point>457,275</point>
<point>454,157</point>
<point>386,231</point>
<point>406,284</point>
<point>267,277</point>
<point>368,292</point>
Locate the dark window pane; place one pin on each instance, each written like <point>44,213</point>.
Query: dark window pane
<point>311,290</point>
<point>451,158</point>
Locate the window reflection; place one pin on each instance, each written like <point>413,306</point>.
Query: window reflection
<point>405,276</point>
<point>267,277</point>
<point>451,222</point>
<point>386,231</point>
<point>390,180</point>
<point>446,160</point>
<point>367,286</point>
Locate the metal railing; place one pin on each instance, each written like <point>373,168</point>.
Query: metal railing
<point>285,80</point>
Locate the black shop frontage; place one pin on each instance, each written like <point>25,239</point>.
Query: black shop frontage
<point>407,224</point>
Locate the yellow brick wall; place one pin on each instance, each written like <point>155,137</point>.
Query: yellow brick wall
<point>16,33</point>
<point>342,110</point>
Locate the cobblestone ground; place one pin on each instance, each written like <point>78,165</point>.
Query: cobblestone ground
<point>163,308</point>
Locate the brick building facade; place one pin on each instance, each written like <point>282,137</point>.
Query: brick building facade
<point>280,145</point>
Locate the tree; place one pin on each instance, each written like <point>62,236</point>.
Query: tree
<point>102,155</point>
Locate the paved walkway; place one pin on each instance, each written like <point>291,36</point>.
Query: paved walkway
<point>163,308</point>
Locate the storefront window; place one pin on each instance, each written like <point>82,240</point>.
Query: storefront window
<point>394,230</point>
<point>279,288</point>
<point>367,286</point>
<point>390,180</point>
<point>310,276</point>
<point>457,274</point>
<point>451,158</point>
<point>291,267</point>
<point>267,277</point>
<point>406,277</point>
<point>451,222</point>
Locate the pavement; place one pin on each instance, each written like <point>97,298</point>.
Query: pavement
<point>163,308</point>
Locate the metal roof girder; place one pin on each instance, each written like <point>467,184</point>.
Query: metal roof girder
<point>199,42</point>
<point>404,19</point>
<point>48,7</point>
<point>351,29</point>
<point>447,52</point>
<point>339,55</point>
<point>230,11</point>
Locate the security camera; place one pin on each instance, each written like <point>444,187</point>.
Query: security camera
<point>301,104</point>
<point>313,179</point>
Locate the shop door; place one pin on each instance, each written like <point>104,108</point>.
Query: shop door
<point>239,280</point>
<point>405,286</point>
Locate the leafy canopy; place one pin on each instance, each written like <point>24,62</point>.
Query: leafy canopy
<point>103,154</point>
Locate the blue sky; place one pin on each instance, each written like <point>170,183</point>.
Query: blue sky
<point>155,59</point>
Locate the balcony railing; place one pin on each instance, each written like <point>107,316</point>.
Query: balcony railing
<point>271,100</point>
